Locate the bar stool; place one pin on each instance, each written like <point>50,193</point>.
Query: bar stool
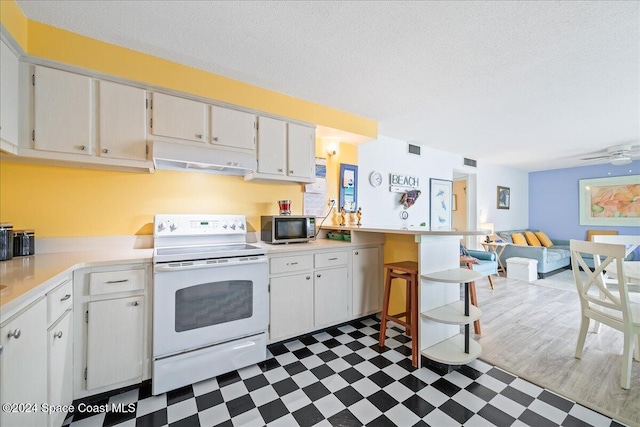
<point>407,271</point>
<point>469,261</point>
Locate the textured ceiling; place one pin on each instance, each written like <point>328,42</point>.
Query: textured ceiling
<point>532,85</point>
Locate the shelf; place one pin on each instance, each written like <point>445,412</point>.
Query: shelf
<point>451,351</point>
<point>453,314</point>
<point>455,275</point>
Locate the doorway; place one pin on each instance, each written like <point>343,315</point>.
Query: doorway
<point>464,205</point>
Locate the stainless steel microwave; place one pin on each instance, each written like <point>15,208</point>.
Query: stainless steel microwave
<point>287,228</point>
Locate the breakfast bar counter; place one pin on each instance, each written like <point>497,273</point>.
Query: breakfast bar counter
<point>438,250</point>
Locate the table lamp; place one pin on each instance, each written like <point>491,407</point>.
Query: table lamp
<point>488,226</point>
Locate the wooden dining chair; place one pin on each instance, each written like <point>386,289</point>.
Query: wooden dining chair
<point>602,303</point>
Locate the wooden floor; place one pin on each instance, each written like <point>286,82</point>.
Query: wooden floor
<point>531,330</point>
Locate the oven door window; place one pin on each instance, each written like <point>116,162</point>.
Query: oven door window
<point>213,303</point>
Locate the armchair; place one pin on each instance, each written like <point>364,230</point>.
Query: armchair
<point>487,263</point>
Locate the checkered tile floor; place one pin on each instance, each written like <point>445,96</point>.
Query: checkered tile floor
<point>341,377</point>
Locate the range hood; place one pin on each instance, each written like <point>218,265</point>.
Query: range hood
<point>210,159</point>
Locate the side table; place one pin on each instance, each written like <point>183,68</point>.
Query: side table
<point>498,248</point>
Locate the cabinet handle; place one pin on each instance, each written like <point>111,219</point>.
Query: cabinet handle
<point>356,252</point>
<point>105,151</point>
<point>308,277</point>
<point>215,138</point>
<point>15,334</point>
<point>1,348</point>
<point>57,334</point>
<point>199,135</point>
<point>319,275</point>
<point>280,170</point>
<point>291,171</point>
<point>136,303</point>
<point>333,259</point>
<point>111,282</point>
<point>83,148</point>
<point>66,297</point>
<point>293,263</point>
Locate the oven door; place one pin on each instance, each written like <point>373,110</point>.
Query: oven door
<point>201,303</point>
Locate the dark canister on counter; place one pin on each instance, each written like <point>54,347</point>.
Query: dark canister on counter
<point>23,242</point>
<point>6,241</point>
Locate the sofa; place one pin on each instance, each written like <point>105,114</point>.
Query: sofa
<point>550,260</point>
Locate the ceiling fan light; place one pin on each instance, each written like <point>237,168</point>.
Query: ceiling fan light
<point>621,161</point>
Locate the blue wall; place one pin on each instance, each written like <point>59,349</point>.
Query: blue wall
<point>554,200</point>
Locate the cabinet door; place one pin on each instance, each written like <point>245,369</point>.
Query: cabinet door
<point>233,128</point>
<point>23,365</point>
<point>291,305</point>
<point>272,142</point>
<point>331,296</point>
<point>122,125</point>
<point>180,118</point>
<point>8,95</point>
<point>60,374</point>
<point>300,151</point>
<point>62,118</point>
<point>114,341</point>
<point>366,281</point>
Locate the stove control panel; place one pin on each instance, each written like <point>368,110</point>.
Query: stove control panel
<point>198,225</point>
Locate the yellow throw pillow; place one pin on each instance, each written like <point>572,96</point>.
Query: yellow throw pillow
<point>518,239</point>
<point>544,239</point>
<point>532,240</point>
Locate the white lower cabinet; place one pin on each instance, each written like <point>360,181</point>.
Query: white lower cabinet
<point>23,367</point>
<point>115,341</point>
<point>318,289</point>
<point>113,338</point>
<point>60,367</point>
<point>331,296</point>
<point>291,305</point>
<point>367,286</point>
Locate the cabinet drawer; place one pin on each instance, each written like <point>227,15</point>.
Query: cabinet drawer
<point>330,259</point>
<point>59,300</point>
<point>290,263</point>
<point>109,282</point>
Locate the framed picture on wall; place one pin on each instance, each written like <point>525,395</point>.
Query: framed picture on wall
<point>440,193</point>
<point>610,201</point>
<point>504,197</point>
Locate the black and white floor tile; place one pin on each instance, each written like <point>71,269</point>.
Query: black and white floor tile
<point>341,377</point>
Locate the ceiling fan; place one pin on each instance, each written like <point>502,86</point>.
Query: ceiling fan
<point>617,155</point>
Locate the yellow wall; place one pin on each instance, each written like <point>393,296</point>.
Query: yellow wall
<point>65,202</point>
<point>14,21</point>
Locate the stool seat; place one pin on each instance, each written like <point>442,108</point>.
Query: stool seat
<point>407,271</point>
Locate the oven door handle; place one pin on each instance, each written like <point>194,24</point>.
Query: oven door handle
<point>169,267</point>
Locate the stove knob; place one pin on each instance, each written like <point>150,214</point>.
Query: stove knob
<point>161,227</point>
<point>224,226</point>
<point>241,226</point>
<point>233,226</point>
<point>173,226</point>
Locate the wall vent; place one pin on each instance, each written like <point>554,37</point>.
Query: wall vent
<point>414,149</point>
<point>470,162</point>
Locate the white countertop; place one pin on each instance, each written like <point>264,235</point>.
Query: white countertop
<point>29,278</point>
<point>412,230</point>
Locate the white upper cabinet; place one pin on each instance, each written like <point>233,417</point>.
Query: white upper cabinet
<point>272,146</point>
<point>9,71</point>
<point>62,117</point>
<point>300,152</point>
<point>233,128</point>
<point>285,151</point>
<point>121,125</point>
<point>180,118</point>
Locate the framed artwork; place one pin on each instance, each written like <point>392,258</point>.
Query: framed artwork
<point>610,201</point>
<point>440,193</point>
<point>504,197</point>
<point>348,187</point>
